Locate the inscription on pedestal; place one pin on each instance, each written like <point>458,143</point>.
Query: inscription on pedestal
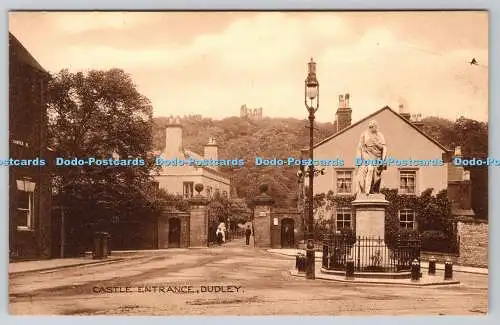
<point>370,215</point>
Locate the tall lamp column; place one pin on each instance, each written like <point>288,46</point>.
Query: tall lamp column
<point>311,100</point>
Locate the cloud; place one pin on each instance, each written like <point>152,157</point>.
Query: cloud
<point>261,60</point>
<point>104,57</point>
<point>268,40</point>
<point>79,22</point>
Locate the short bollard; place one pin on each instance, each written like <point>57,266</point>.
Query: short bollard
<point>101,250</point>
<point>301,263</point>
<point>432,266</point>
<point>448,270</point>
<point>349,268</point>
<point>310,260</point>
<point>415,270</point>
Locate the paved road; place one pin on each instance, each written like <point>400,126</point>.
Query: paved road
<point>259,283</point>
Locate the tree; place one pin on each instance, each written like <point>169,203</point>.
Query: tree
<point>240,138</point>
<point>283,137</point>
<point>472,136</point>
<point>218,208</point>
<point>101,114</point>
<point>238,210</point>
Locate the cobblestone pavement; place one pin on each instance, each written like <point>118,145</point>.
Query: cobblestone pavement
<point>253,281</point>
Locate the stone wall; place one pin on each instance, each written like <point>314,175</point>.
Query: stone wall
<point>262,226</point>
<point>198,226</point>
<point>473,245</point>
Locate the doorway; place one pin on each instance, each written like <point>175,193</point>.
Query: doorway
<point>174,233</point>
<point>287,233</point>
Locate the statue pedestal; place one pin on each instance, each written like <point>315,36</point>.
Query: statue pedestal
<point>370,215</point>
<point>370,252</point>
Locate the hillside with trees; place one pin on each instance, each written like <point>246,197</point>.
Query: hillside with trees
<point>245,139</point>
<point>242,138</point>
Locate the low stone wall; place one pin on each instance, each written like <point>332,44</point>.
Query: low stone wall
<point>473,246</point>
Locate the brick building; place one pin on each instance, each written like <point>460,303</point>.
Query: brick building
<point>29,186</point>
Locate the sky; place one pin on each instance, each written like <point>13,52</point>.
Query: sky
<point>211,63</point>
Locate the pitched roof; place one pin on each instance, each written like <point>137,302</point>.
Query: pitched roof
<point>191,154</point>
<point>372,115</point>
<point>19,53</point>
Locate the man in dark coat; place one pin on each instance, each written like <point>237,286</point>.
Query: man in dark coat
<point>248,233</point>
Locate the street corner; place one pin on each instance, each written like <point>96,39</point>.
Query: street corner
<point>424,281</point>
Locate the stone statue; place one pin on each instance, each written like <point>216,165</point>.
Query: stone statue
<point>372,148</point>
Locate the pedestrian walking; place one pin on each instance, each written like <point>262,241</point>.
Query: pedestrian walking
<point>219,235</point>
<point>248,233</point>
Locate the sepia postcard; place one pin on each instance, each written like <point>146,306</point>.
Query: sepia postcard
<point>248,163</point>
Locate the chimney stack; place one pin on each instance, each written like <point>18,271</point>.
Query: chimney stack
<point>210,150</point>
<point>403,111</point>
<point>417,121</point>
<point>344,111</point>
<point>173,139</point>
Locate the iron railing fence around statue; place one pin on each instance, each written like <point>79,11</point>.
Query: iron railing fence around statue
<point>369,254</point>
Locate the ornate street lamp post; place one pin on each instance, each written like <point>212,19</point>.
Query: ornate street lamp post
<point>311,100</point>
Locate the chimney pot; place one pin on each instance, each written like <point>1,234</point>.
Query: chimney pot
<point>403,111</point>
<point>343,115</point>
<point>211,151</point>
<point>173,139</point>
<point>341,101</point>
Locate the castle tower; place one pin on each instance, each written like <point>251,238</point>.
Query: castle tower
<point>243,110</point>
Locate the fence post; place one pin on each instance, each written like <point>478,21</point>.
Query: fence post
<point>324,258</point>
<point>359,252</point>
<point>349,268</point>
<point>432,265</point>
<point>448,269</point>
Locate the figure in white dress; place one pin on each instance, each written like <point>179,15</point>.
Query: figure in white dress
<point>221,232</point>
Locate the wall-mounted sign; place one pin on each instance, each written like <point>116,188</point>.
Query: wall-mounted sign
<point>275,221</point>
<point>262,214</point>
